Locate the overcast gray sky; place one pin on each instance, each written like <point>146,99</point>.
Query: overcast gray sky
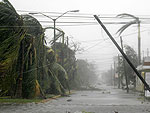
<point>86,6</point>
<point>98,48</point>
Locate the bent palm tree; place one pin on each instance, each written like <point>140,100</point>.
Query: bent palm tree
<point>135,21</point>
<point>11,37</point>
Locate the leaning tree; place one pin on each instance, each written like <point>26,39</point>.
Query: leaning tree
<point>124,27</point>
<point>11,35</point>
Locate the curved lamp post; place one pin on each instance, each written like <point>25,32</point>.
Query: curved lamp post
<point>54,20</point>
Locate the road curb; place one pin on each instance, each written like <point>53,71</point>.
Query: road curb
<point>55,97</point>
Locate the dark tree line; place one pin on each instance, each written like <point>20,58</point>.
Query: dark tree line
<point>28,67</point>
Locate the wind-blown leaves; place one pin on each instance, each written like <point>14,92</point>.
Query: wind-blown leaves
<point>25,61</point>
<point>126,26</point>
<point>127,15</point>
<point>132,55</point>
<point>31,50</point>
<point>11,35</point>
<point>135,21</point>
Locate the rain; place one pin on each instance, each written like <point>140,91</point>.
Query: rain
<point>74,56</point>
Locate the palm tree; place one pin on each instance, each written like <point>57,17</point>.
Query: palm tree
<point>135,21</point>
<point>24,60</point>
<point>12,35</point>
<point>33,47</point>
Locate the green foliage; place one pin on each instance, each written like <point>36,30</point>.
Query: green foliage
<point>124,27</point>
<point>61,75</point>
<point>66,58</point>
<point>34,32</point>
<point>85,73</point>
<point>24,58</point>
<point>131,54</point>
<point>11,35</point>
<point>87,112</point>
<point>18,101</point>
<point>29,78</point>
<point>48,71</point>
<point>56,73</point>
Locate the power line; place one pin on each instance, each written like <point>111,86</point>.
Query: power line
<point>75,24</point>
<point>98,43</point>
<point>88,41</point>
<point>81,22</point>
<point>53,12</point>
<point>95,45</point>
<point>53,16</point>
<point>83,15</point>
<point>61,13</point>
<point>108,38</point>
<point>133,33</point>
<point>90,17</point>
<point>72,13</point>
<point>100,58</point>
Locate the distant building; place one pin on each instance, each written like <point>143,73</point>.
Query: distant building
<point>144,70</point>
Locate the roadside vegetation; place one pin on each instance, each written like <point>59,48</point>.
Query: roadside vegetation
<point>31,69</point>
<point>122,72</point>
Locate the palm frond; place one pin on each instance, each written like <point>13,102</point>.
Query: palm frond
<point>9,4</point>
<point>127,15</point>
<point>11,35</point>
<point>126,26</point>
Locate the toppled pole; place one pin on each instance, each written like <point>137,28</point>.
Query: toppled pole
<point>123,54</point>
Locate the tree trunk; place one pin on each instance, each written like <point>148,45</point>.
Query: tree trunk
<point>18,93</point>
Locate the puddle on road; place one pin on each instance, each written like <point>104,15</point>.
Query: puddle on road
<point>79,112</point>
<point>83,95</point>
<point>107,92</point>
<point>69,100</point>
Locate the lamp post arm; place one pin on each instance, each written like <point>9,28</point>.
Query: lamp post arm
<point>62,15</point>
<point>46,16</point>
<point>42,14</point>
<point>67,12</point>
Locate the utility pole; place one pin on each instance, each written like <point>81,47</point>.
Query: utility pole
<point>111,76</point>
<point>139,44</point>
<point>143,55</point>
<point>62,50</point>
<point>124,66</point>
<point>54,20</point>
<point>119,72</point>
<point>124,55</point>
<point>68,47</point>
<point>147,52</point>
<point>114,73</point>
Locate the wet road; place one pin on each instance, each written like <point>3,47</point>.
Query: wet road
<point>107,100</point>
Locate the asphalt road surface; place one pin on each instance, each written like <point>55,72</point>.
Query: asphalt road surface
<point>107,100</point>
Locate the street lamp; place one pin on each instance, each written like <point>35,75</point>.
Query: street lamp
<point>54,20</point>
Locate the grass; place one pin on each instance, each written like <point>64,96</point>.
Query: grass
<point>9,100</point>
<point>50,95</point>
<point>87,112</point>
